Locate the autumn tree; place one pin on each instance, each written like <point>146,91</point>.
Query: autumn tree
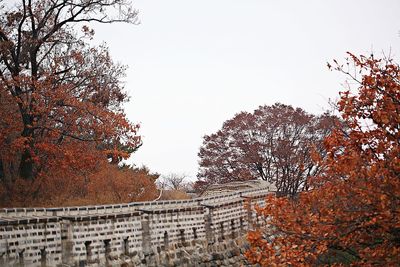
<point>121,184</point>
<point>274,143</point>
<point>106,184</point>
<point>61,99</point>
<point>352,213</point>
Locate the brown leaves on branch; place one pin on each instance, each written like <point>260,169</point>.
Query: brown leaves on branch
<point>121,185</point>
<point>106,184</point>
<point>61,99</point>
<point>352,213</point>
<point>274,143</point>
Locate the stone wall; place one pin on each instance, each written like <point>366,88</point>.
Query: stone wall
<point>205,231</point>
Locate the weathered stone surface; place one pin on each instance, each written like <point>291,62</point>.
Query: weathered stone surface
<point>195,232</point>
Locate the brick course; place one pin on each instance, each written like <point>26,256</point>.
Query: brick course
<point>137,234</point>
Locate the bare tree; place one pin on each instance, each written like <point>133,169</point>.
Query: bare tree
<point>174,181</point>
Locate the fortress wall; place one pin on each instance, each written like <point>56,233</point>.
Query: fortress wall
<point>91,239</point>
<point>171,228</point>
<point>113,234</point>
<point>30,242</point>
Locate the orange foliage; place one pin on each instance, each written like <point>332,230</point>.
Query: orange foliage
<point>174,195</point>
<point>106,184</point>
<point>120,185</point>
<point>352,213</point>
<point>60,100</point>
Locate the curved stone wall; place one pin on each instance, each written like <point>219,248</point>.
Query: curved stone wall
<point>133,234</point>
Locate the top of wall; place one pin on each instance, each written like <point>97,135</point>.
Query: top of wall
<point>220,189</point>
<point>234,191</point>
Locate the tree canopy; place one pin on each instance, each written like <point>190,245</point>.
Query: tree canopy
<point>274,143</point>
<point>352,213</point>
<point>61,98</point>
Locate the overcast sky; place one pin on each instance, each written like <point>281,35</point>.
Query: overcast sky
<point>194,64</point>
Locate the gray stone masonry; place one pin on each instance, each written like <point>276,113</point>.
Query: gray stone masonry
<point>206,231</point>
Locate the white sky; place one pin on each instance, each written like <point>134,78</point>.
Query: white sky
<point>194,64</point>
